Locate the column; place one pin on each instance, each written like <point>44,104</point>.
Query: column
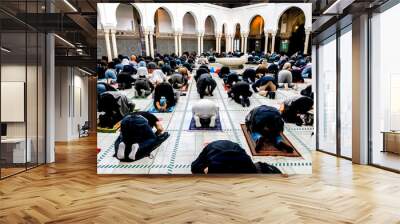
<point>241,43</point>
<point>230,43</point>
<point>176,43</point>
<point>306,41</point>
<point>360,89</point>
<point>233,43</point>
<point>227,44</point>
<point>50,97</point>
<point>114,43</point>
<point>146,40</point>
<point>220,44</point>
<point>108,46</point>
<point>216,43</point>
<point>50,92</point>
<point>266,42</point>
<point>180,43</point>
<point>245,43</point>
<point>198,43</point>
<point>273,41</point>
<point>202,43</point>
<point>151,36</point>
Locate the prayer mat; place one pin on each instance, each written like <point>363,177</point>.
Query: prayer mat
<point>218,126</point>
<point>268,149</point>
<point>154,110</point>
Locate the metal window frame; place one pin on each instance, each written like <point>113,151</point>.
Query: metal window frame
<point>381,9</point>
<point>44,72</point>
<point>338,29</point>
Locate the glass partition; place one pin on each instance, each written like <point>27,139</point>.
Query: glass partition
<point>385,89</point>
<point>346,92</point>
<point>326,93</point>
<point>23,89</point>
<point>14,144</point>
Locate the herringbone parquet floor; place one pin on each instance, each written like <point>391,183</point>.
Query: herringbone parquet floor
<point>70,191</point>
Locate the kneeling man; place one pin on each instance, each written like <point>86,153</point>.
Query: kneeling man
<point>205,113</point>
<point>265,124</point>
<point>137,139</point>
<point>224,156</point>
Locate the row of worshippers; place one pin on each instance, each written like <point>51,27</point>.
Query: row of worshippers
<point>142,132</point>
<point>163,77</point>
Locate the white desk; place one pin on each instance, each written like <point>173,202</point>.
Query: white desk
<point>17,145</point>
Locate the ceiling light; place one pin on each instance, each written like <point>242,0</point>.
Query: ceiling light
<point>65,41</point>
<point>86,72</point>
<point>5,50</point>
<point>337,7</point>
<point>70,5</point>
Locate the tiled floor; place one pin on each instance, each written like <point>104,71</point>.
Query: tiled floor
<point>176,154</point>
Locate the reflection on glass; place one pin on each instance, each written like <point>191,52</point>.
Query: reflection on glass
<point>22,88</point>
<point>14,153</point>
<point>327,96</point>
<point>345,94</point>
<point>385,84</point>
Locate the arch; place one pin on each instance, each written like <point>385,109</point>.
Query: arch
<point>289,8</point>
<point>210,21</point>
<point>139,12</point>
<point>189,23</point>
<point>237,30</point>
<point>163,20</point>
<point>256,38</point>
<point>254,17</point>
<point>128,18</point>
<point>291,30</point>
<point>236,37</point>
<point>256,25</point>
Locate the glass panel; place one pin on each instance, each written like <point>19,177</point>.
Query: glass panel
<point>385,84</point>
<point>41,99</point>
<point>346,94</point>
<point>13,93</point>
<point>31,98</point>
<point>33,62</point>
<point>327,96</point>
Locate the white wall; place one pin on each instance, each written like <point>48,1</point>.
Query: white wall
<point>71,102</point>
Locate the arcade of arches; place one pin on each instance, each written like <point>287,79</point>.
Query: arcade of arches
<point>265,27</point>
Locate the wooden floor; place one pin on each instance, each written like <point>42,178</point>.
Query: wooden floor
<point>70,191</point>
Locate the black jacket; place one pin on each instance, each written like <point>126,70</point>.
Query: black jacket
<point>265,117</point>
<point>241,89</point>
<point>223,156</point>
<point>164,89</point>
<point>204,81</point>
<point>249,75</point>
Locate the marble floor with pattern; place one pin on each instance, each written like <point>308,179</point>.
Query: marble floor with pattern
<point>183,146</point>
